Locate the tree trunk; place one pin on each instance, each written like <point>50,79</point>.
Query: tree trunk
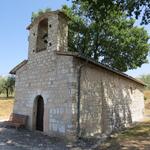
<point>7,93</point>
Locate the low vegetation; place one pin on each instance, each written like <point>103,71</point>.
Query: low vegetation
<point>147,102</point>
<point>146,80</point>
<point>134,138</point>
<point>36,14</point>
<point>147,94</point>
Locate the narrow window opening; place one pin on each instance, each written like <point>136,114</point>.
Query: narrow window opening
<point>42,36</point>
<point>50,25</point>
<point>131,90</point>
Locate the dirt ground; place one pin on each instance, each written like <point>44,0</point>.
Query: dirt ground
<point>6,107</point>
<point>21,139</point>
<point>135,138</point>
<point>12,139</point>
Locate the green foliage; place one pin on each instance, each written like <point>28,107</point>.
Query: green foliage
<point>113,40</point>
<point>41,11</point>
<point>145,98</point>
<point>7,85</point>
<point>102,8</point>
<point>146,80</point>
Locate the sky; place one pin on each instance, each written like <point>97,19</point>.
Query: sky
<point>15,17</point>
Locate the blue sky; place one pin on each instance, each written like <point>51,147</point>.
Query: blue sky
<point>15,16</point>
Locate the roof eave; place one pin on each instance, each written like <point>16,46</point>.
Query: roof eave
<point>75,54</point>
<point>14,70</point>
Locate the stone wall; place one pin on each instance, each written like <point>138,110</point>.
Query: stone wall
<point>56,89</point>
<point>108,101</point>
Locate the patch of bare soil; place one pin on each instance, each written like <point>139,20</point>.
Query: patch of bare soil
<point>6,107</point>
<point>12,139</point>
<point>22,139</point>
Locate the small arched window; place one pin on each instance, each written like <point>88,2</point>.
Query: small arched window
<point>42,36</point>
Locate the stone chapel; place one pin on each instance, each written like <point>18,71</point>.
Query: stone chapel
<point>66,94</point>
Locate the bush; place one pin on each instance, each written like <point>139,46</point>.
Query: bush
<point>145,98</point>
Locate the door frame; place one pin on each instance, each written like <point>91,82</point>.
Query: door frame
<point>34,112</point>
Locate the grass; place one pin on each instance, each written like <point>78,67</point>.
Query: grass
<point>140,130</point>
<point>134,138</point>
<point>6,107</point>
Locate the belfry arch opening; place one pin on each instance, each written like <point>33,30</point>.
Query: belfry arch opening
<point>42,35</point>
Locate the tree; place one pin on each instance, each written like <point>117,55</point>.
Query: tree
<point>146,80</point>
<point>102,8</point>
<point>7,85</point>
<point>113,41</point>
<point>1,82</point>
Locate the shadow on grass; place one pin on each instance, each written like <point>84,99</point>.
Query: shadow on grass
<point>135,138</point>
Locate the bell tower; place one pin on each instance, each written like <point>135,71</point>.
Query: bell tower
<point>48,33</point>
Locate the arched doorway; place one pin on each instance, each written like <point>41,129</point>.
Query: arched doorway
<point>38,118</point>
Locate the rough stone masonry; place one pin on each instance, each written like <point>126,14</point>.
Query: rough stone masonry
<point>66,94</point>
